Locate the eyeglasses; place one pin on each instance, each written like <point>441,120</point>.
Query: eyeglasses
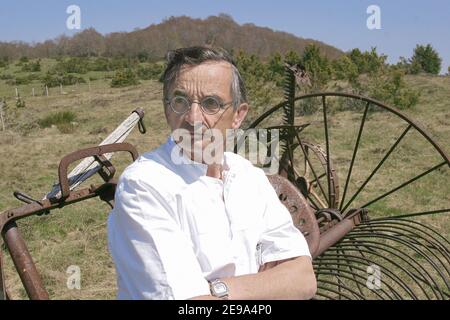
<point>209,105</point>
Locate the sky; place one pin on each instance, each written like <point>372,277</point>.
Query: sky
<point>339,23</point>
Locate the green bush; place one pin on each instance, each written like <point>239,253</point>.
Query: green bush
<point>63,120</point>
<point>151,72</point>
<point>391,89</point>
<point>4,62</point>
<point>276,69</point>
<point>345,69</point>
<point>32,66</point>
<point>101,64</point>
<point>317,66</point>
<point>22,80</point>
<point>124,78</point>
<point>72,65</point>
<point>367,62</point>
<point>425,59</point>
<point>6,76</point>
<point>53,80</point>
<point>20,103</point>
<point>257,77</point>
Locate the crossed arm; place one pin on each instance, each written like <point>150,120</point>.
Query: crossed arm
<point>286,279</point>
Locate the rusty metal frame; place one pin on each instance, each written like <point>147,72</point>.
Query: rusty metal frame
<point>13,240</point>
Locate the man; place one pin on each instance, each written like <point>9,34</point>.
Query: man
<point>184,228</point>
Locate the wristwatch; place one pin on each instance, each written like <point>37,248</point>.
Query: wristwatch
<point>219,289</point>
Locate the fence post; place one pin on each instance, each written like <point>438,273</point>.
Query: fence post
<point>32,92</point>
<point>1,115</point>
<point>17,93</point>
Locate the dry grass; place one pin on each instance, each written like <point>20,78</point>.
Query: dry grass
<point>77,235</point>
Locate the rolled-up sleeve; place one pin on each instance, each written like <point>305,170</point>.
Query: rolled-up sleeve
<point>154,258</point>
<point>280,239</point>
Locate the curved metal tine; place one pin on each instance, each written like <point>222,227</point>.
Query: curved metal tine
<point>358,282</point>
<point>312,168</point>
<point>344,287</point>
<point>349,265</point>
<point>409,215</point>
<point>355,150</point>
<point>400,138</point>
<point>371,249</point>
<point>331,194</point>
<point>421,225</point>
<point>435,245</point>
<point>406,243</point>
<point>413,239</point>
<point>353,266</point>
<point>388,272</point>
<point>321,294</point>
<point>350,247</point>
<point>378,229</point>
<point>384,246</point>
<point>319,287</point>
<point>404,184</point>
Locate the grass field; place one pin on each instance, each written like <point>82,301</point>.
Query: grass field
<point>77,235</point>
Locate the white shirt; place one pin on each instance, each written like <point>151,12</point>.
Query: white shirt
<point>173,228</point>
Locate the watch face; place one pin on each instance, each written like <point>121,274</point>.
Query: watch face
<point>220,288</point>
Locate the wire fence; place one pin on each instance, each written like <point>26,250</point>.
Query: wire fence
<point>39,90</point>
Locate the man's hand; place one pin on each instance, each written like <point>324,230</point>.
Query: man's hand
<point>291,279</point>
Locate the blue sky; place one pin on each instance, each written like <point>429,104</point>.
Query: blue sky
<point>340,23</point>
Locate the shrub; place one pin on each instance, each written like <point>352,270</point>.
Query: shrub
<point>72,65</point>
<point>4,62</point>
<point>63,120</point>
<point>6,76</point>
<point>123,78</point>
<point>367,62</point>
<point>20,103</point>
<point>151,72</point>
<point>391,88</point>
<point>425,59</point>
<point>101,64</point>
<point>317,66</point>
<point>345,69</point>
<point>53,80</point>
<point>32,66</point>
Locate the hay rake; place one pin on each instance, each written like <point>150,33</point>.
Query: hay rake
<point>373,199</point>
<point>370,239</point>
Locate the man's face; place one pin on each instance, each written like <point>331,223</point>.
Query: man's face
<point>195,83</point>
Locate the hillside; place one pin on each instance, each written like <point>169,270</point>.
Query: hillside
<point>174,32</point>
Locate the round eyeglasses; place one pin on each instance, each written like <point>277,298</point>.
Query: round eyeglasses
<point>209,105</point>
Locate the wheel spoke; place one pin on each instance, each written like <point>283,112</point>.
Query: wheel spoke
<point>331,194</point>
<point>378,166</point>
<point>310,165</point>
<point>404,184</point>
<point>355,150</point>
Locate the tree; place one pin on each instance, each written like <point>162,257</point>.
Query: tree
<point>345,69</point>
<point>317,66</point>
<point>425,59</point>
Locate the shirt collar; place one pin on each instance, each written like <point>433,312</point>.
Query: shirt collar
<point>180,159</point>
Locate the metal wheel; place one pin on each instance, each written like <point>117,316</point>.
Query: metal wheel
<point>389,168</point>
<point>384,161</point>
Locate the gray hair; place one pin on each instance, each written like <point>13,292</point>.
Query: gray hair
<point>196,55</point>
